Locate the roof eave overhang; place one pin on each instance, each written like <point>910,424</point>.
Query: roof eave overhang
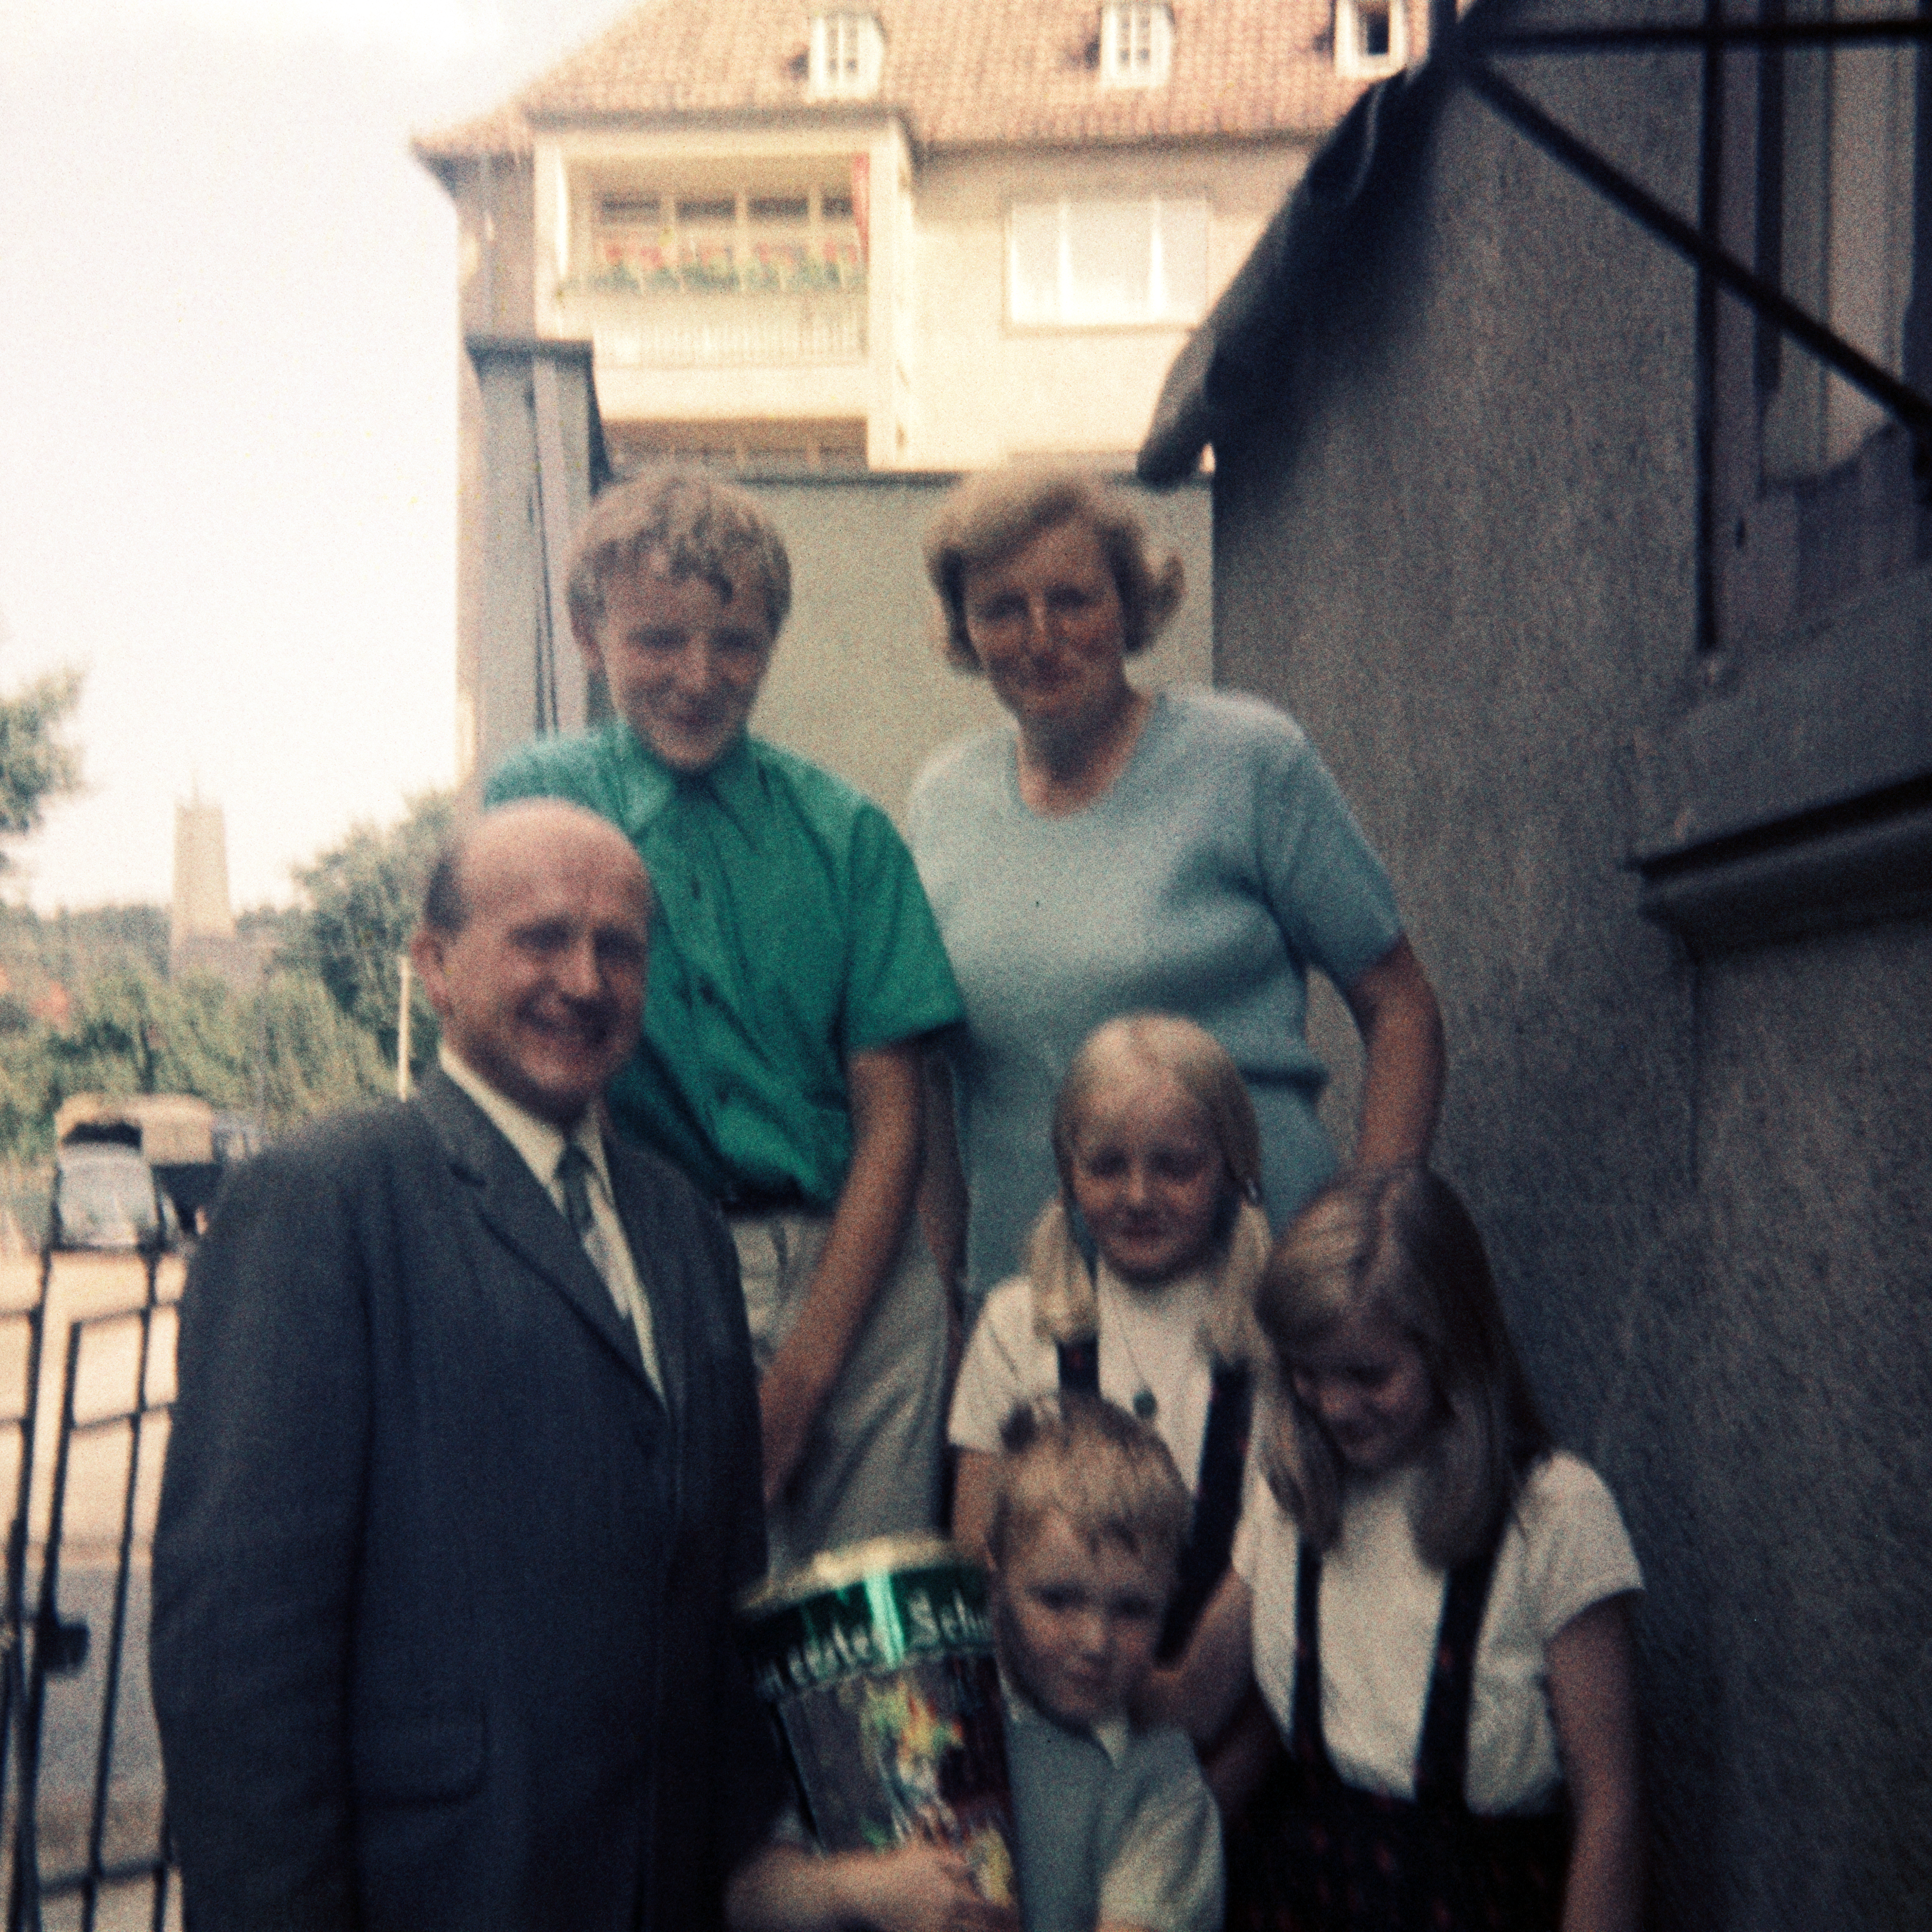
<point>1232,369</point>
<point>1053,142</point>
<point>444,166</point>
<point>839,114</point>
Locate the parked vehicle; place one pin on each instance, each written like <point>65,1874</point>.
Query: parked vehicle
<point>180,1143</point>
<point>106,1196</point>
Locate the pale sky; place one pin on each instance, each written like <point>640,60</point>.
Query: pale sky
<point>228,426</point>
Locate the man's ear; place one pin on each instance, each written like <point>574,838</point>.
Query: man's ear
<point>428,948</point>
<point>585,631</point>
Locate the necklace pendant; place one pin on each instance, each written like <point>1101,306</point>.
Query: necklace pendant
<point>1145,1405</point>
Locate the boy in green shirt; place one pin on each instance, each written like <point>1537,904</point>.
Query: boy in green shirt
<point>795,971</point>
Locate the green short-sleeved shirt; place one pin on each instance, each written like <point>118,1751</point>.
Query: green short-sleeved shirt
<point>791,931</point>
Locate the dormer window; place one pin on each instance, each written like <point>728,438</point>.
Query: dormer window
<point>844,61</point>
<point>1371,36</point>
<point>1136,44</point>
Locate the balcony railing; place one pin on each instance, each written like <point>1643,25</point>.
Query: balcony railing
<point>722,329</point>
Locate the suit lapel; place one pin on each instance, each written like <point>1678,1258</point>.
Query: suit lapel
<point>520,1215</point>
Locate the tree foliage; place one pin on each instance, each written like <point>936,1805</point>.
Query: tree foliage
<point>37,763</point>
<point>111,1042</point>
<point>283,1052</point>
<point>74,947</point>
<point>314,1056</point>
<point>364,898</point>
<point>318,1032</point>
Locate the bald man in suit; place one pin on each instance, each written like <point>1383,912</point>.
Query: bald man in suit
<point>464,1471</point>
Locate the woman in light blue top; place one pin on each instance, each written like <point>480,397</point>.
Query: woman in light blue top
<point>1185,852</point>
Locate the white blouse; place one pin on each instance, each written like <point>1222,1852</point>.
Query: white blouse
<point>1565,1549</point>
<point>1150,1339</point>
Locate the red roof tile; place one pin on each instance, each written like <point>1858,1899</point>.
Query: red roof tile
<point>963,73</point>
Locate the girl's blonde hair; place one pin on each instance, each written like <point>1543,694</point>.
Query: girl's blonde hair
<point>1065,1306</point>
<point>1397,1244</point>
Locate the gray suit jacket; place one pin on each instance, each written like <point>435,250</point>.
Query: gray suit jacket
<point>441,1634</point>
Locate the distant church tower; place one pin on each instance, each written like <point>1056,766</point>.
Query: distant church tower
<point>201,924</point>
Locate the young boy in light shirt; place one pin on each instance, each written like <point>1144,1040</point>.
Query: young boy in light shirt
<point>1116,1829</point>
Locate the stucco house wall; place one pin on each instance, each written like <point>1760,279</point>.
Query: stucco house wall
<point>1459,546</point>
<point>977,104</point>
<point>982,389</point>
<point>859,683</point>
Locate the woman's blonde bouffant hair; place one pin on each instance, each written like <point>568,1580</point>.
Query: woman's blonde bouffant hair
<point>1396,1243</point>
<point>1065,1306</point>
<point>995,515</point>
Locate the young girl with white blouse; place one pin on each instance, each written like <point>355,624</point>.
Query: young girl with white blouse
<point>1433,1601</point>
<point>1141,1272</point>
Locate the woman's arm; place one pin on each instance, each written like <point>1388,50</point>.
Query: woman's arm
<point>1401,1026</point>
<point>1592,1700</point>
<point>1202,1691</point>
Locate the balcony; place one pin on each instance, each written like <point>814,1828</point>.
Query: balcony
<point>721,331</point>
<point>774,305</point>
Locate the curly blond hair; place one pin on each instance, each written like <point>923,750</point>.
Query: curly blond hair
<point>701,525</point>
<point>1105,1471</point>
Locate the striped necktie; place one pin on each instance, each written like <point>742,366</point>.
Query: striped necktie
<point>573,1176</point>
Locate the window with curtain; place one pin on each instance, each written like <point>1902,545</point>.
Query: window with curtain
<point>1096,263</point>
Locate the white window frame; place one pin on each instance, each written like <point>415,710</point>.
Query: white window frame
<point>1163,310</point>
<point>1349,57</point>
<point>1136,44</point>
<point>845,55</point>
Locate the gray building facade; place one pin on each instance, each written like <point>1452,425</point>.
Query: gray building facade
<point>1511,510</point>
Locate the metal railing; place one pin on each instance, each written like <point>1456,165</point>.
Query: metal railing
<point>79,1758</point>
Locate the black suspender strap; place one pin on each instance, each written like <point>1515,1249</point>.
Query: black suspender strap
<point>1441,1757</point>
<point>1442,1752</point>
<point>1217,1503</point>
<point>1306,1743</point>
<point>1338,1855</point>
<point>1217,1496</point>
<point>1080,1365</point>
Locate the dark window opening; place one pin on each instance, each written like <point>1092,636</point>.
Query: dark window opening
<point>628,211</point>
<point>1827,183</point>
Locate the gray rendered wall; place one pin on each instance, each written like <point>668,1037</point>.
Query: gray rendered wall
<point>520,641</point>
<point>857,683</point>
<point>1464,558</point>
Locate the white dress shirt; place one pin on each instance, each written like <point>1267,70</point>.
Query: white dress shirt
<point>542,1146</point>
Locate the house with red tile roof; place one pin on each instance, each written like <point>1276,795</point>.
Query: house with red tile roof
<point>896,234</point>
